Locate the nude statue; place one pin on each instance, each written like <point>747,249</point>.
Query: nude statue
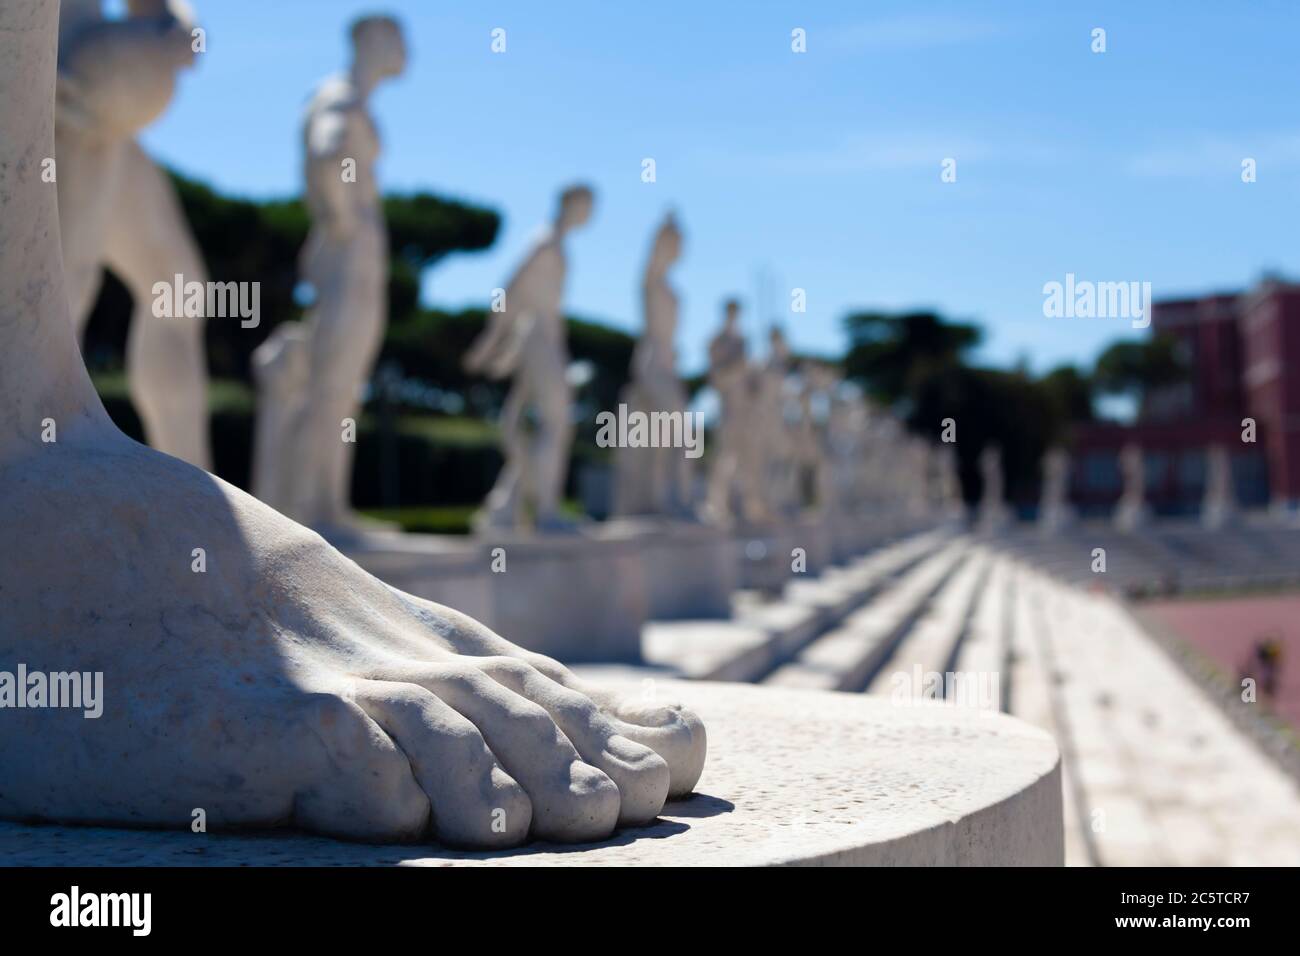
<point>847,430</point>
<point>949,502</point>
<point>1219,507</point>
<point>307,448</point>
<point>282,372</point>
<point>1054,511</point>
<point>811,440</point>
<point>119,210</point>
<point>1132,511</point>
<point>917,491</point>
<point>656,481</point>
<point>994,515</point>
<point>774,441</point>
<point>526,341</point>
<point>736,470</point>
<point>280,685</point>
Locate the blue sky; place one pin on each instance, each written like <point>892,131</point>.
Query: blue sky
<point>818,170</point>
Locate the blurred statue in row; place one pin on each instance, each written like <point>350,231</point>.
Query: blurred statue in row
<point>848,430</point>
<point>775,439</point>
<point>1219,508</point>
<point>311,377</point>
<point>1132,513</point>
<point>656,481</point>
<point>950,503</point>
<point>525,340</point>
<point>1054,511</point>
<point>750,426</point>
<point>919,492</point>
<point>994,515</point>
<point>118,210</point>
<point>813,479</point>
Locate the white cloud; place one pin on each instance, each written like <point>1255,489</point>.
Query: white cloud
<point>1208,156</point>
<point>909,32</point>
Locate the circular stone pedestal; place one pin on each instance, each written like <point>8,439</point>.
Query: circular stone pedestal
<point>793,777</point>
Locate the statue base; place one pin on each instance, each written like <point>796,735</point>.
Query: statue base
<point>575,597</point>
<point>689,568</point>
<point>793,778</point>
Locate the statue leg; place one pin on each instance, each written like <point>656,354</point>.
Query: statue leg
<point>554,441</point>
<point>345,332</point>
<point>722,477</point>
<point>149,241</point>
<point>280,371</point>
<point>504,505</point>
<point>87,174</point>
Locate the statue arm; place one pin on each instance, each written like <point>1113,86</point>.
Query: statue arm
<point>498,349</point>
<point>328,144</point>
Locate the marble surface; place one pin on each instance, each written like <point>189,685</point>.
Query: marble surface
<point>793,777</point>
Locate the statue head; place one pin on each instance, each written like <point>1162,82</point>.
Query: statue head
<point>378,47</point>
<point>576,203</point>
<point>731,314</point>
<point>777,343</point>
<point>1056,463</point>
<point>991,460</point>
<point>667,247</point>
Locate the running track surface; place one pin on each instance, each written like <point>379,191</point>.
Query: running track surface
<point>1226,630</point>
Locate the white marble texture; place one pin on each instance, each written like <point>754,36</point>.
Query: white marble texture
<point>526,342</point>
<point>118,210</point>
<point>277,684</point>
<point>802,778</point>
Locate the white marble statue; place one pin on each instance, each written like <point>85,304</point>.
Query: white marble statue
<point>245,666</point>
<point>1055,514</point>
<point>119,211</point>
<point>526,342</point>
<point>345,263</point>
<point>775,447</point>
<point>994,515</point>
<point>735,479</point>
<point>656,481</point>
<point>949,505</point>
<point>1219,507</point>
<point>918,493</point>
<point>1132,511</point>
<point>814,481</point>
<point>281,370</point>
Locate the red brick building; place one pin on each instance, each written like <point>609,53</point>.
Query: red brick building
<point>1243,353</point>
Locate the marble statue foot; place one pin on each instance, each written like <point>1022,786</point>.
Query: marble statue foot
<point>251,672</point>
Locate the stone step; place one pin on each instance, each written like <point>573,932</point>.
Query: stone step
<point>983,649</point>
<point>928,647</point>
<point>1030,697</point>
<point>847,657</point>
<point>763,634</point>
